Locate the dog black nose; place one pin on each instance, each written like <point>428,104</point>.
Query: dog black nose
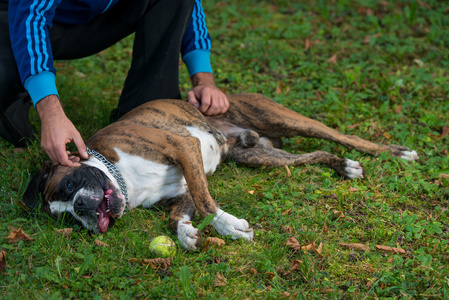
<point>79,206</point>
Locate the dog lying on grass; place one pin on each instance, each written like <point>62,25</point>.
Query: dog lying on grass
<point>161,152</point>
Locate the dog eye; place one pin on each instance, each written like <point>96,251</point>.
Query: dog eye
<point>69,186</point>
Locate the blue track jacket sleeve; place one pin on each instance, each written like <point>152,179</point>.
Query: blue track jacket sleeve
<point>196,44</point>
<point>29,23</point>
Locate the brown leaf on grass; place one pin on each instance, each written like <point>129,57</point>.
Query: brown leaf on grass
<point>289,173</point>
<point>287,229</point>
<point>295,265</point>
<point>390,249</point>
<point>278,90</point>
<point>423,4</point>
<point>253,271</point>
<point>386,135</point>
<point>293,243</point>
<point>270,275</point>
<point>444,131</point>
<point>2,261</point>
<point>338,214</point>
<point>353,189</point>
<point>307,247</point>
<point>215,241</point>
<point>18,235</point>
<point>287,212</point>
<point>100,243</point>
<point>398,109</point>
<point>319,249</point>
<point>332,59</point>
<point>220,280</point>
<point>325,227</point>
<point>65,232</point>
<point>307,44</point>
<point>355,246</point>
<point>443,176</point>
<point>251,192</point>
<point>157,263</point>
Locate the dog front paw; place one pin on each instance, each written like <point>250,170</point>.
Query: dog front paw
<point>189,237</point>
<point>354,169</point>
<point>226,224</point>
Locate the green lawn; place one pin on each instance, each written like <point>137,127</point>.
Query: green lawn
<point>377,69</point>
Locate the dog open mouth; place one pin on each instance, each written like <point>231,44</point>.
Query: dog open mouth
<point>104,212</point>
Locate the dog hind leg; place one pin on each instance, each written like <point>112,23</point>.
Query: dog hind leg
<point>271,119</point>
<point>268,156</point>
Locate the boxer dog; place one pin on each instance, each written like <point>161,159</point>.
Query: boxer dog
<point>161,152</point>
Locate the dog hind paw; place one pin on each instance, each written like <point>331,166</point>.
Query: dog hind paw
<point>403,152</point>
<point>189,237</point>
<point>228,225</point>
<point>354,169</point>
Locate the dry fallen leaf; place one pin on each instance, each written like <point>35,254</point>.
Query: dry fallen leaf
<point>353,189</point>
<point>252,271</point>
<point>100,243</point>
<point>338,214</point>
<point>18,235</point>
<point>251,192</point>
<point>287,229</point>
<point>157,263</point>
<point>332,59</point>
<point>295,265</point>
<point>308,247</point>
<point>293,243</point>
<point>443,176</point>
<point>215,241</point>
<point>220,280</point>
<point>307,44</point>
<point>386,135</point>
<point>2,261</point>
<point>65,232</point>
<point>390,249</point>
<point>444,131</point>
<point>355,246</point>
<point>324,228</point>
<point>289,173</point>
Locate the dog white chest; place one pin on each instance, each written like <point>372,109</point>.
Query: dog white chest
<point>148,182</point>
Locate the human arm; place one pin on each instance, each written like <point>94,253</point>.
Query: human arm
<point>57,131</point>
<point>195,51</point>
<point>206,96</point>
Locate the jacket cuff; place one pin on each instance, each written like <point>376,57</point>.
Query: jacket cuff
<point>41,85</point>
<point>198,61</point>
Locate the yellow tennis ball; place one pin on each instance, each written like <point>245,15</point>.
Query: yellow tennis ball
<point>163,246</point>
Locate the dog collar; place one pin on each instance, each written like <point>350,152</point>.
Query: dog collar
<point>112,169</point>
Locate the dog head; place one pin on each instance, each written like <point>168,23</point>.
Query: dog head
<point>85,192</point>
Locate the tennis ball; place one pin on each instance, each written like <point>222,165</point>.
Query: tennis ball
<point>163,246</point>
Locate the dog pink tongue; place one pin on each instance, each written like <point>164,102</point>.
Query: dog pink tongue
<point>104,214</point>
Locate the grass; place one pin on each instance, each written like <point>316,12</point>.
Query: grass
<point>377,69</point>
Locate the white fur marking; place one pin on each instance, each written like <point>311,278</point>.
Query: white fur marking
<point>187,234</point>
<point>354,169</point>
<point>226,224</point>
<point>410,155</point>
<point>209,147</point>
<point>148,182</point>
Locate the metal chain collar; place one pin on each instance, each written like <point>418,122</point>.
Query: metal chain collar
<point>113,170</point>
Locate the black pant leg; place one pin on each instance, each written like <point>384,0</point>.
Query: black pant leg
<point>14,99</point>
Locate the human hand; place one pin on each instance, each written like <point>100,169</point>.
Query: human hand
<point>206,96</point>
<point>57,131</point>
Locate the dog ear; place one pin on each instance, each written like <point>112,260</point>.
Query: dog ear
<point>30,199</point>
